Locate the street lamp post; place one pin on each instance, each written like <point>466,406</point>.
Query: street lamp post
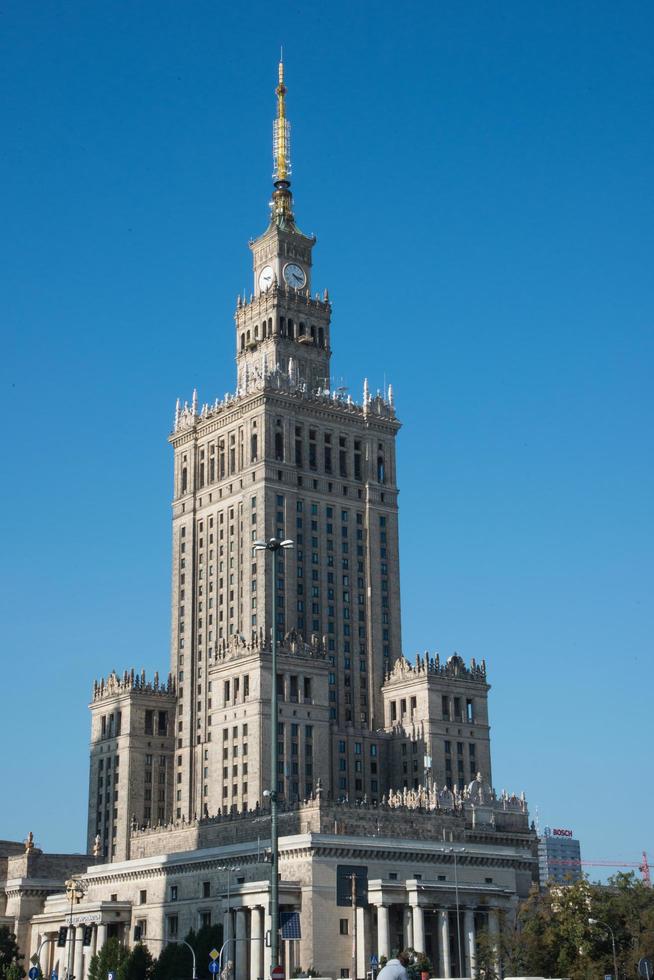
<point>75,892</point>
<point>274,545</point>
<point>229,868</point>
<point>596,922</point>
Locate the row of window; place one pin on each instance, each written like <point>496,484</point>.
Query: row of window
<point>286,328</point>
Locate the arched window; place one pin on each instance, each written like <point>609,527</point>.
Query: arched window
<point>290,328</point>
<point>279,445</point>
<point>184,480</point>
<point>282,326</point>
<point>256,332</point>
<point>313,333</point>
<point>301,330</point>
<point>247,337</point>
<point>321,336</point>
<point>242,341</point>
<point>269,326</point>
<point>381,470</point>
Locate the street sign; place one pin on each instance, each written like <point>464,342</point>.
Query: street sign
<point>277,973</point>
<point>34,973</point>
<point>214,954</point>
<point>214,966</point>
<point>646,968</point>
<point>111,975</point>
<point>374,962</point>
<point>34,960</point>
<point>608,976</point>
<point>54,975</point>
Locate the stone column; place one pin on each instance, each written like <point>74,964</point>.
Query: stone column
<point>363,943</point>
<point>267,950</point>
<point>418,929</point>
<point>44,958</point>
<point>102,936</point>
<point>408,927</point>
<point>444,960</point>
<point>78,957</point>
<point>228,933</point>
<point>494,933</point>
<point>383,947</point>
<point>241,955</point>
<point>470,946</point>
<point>256,943</point>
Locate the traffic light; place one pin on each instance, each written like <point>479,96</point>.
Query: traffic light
<point>87,935</point>
<point>138,930</point>
<point>61,937</point>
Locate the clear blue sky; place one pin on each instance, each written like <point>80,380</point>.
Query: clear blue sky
<point>479,177</point>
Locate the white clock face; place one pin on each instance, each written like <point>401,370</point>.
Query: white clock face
<point>294,275</point>
<point>266,277</point>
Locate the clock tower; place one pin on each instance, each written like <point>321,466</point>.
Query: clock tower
<point>282,328</point>
<point>284,456</point>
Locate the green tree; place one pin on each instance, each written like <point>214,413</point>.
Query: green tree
<point>174,963</point>
<point>10,955</point>
<point>553,936</point>
<point>203,941</point>
<point>109,957</point>
<point>138,965</point>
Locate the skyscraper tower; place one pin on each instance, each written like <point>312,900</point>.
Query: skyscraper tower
<point>285,456</point>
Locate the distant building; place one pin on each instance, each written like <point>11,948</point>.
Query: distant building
<point>559,857</point>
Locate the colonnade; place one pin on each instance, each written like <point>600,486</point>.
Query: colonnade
<point>245,929</point>
<point>455,931</point>
<point>56,959</point>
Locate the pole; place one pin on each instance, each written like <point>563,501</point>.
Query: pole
<point>354,925</point>
<point>274,842</point>
<point>38,954</point>
<point>71,934</point>
<point>188,946</point>
<point>597,922</point>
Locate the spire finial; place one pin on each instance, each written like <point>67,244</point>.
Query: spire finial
<point>281,131</point>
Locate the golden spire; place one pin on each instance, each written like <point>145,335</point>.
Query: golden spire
<point>281,133</point>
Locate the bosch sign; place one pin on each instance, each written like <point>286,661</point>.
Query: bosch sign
<point>559,832</point>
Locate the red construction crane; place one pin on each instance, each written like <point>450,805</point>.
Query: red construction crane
<point>642,866</point>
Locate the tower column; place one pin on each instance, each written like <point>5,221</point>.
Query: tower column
<point>383,948</point>
<point>78,957</point>
<point>363,941</point>
<point>418,929</point>
<point>408,927</point>
<point>494,933</point>
<point>444,961</point>
<point>256,943</point>
<point>470,944</point>
<point>241,951</point>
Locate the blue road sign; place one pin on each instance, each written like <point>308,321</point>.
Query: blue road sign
<point>34,973</point>
<point>111,975</point>
<point>374,962</point>
<point>214,967</point>
<point>54,975</point>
